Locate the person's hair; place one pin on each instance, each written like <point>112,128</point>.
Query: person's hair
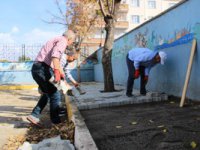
<point>70,53</point>
<point>69,34</point>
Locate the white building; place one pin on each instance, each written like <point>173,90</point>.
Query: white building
<point>132,13</point>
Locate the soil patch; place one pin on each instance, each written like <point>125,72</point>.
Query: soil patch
<point>152,126</point>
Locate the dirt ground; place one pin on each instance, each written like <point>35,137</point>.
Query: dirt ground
<point>15,105</point>
<point>155,126</point>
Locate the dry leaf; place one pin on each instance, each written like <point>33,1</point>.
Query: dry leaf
<point>193,144</point>
<point>118,127</point>
<point>160,126</point>
<point>164,130</point>
<point>134,123</point>
<point>151,121</point>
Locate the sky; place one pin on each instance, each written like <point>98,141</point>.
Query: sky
<point>21,21</point>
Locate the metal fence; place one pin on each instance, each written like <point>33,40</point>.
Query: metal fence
<point>28,52</point>
<point>18,52</point>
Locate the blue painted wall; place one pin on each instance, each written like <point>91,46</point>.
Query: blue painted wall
<point>171,32</point>
<point>20,73</point>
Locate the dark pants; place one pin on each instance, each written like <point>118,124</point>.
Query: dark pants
<point>130,81</point>
<point>41,74</point>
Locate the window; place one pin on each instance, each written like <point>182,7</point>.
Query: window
<point>135,3</point>
<point>152,4</point>
<point>135,19</point>
<point>122,17</point>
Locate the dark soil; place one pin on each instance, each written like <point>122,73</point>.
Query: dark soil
<point>155,126</point>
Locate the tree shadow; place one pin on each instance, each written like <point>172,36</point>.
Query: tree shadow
<point>13,115</point>
<point>24,96</point>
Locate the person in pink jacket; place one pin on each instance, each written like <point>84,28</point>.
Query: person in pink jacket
<point>46,65</point>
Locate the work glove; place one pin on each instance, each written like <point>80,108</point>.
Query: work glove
<point>57,75</point>
<point>146,79</point>
<point>62,76</point>
<point>136,74</point>
<point>76,84</point>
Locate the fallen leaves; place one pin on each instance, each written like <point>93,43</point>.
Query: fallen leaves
<point>151,121</point>
<point>14,142</point>
<point>118,127</point>
<point>35,135</point>
<point>65,130</point>
<point>133,123</point>
<point>164,130</point>
<point>193,144</point>
<point>160,126</point>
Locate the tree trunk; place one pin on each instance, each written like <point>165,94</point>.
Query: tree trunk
<point>78,68</point>
<point>107,54</point>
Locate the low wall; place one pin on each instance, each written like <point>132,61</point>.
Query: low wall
<point>20,73</point>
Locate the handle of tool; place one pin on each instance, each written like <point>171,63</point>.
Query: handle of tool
<point>189,68</point>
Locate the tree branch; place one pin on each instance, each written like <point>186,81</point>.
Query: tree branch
<point>109,9</point>
<point>55,22</point>
<point>102,8</point>
<point>113,7</point>
<point>60,10</point>
<point>116,6</point>
<point>57,17</point>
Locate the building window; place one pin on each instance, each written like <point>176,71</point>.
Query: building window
<point>152,4</point>
<point>135,19</point>
<point>122,17</point>
<point>135,3</point>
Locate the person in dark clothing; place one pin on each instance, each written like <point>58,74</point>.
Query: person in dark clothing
<point>139,63</point>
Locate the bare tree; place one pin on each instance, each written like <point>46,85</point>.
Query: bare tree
<point>78,16</point>
<point>109,11</point>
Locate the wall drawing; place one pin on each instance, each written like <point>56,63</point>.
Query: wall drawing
<point>154,40</point>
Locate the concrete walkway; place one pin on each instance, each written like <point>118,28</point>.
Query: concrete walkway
<point>15,105</point>
<point>94,98</point>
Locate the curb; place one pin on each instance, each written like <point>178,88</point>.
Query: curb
<point>18,87</point>
<point>151,97</point>
<point>82,137</point>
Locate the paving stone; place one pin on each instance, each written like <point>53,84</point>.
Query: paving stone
<point>92,106</point>
<point>95,99</point>
<point>164,97</point>
<point>156,99</point>
<point>103,105</point>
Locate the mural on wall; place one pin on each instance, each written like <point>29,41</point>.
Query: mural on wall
<point>155,41</point>
<point>141,39</point>
<point>6,66</point>
<point>120,51</point>
<point>196,30</point>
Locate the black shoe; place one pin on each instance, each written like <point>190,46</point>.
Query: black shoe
<point>62,110</point>
<point>143,94</point>
<point>129,95</point>
<point>70,93</point>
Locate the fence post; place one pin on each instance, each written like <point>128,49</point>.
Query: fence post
<point>24,56</point>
